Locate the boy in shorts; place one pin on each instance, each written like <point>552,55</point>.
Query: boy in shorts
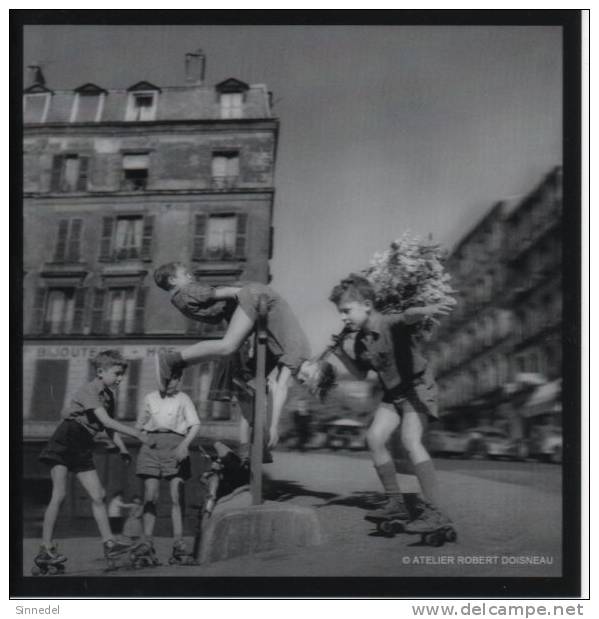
<point>70,448</point>
<point>388,344</point>
<point>173,422</point>
<point>287,346</point>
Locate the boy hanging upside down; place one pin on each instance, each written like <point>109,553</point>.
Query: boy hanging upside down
<point>287,348</point>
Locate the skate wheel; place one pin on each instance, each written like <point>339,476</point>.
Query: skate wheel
<point>35,571</point>
<point>434,539</point>
<point>397,526</point>
<point>451,535</point>
<point>387,528</point>
<point>52,570</point>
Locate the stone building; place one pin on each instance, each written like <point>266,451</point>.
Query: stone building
<point>507,323</point>
<point>115,183</point>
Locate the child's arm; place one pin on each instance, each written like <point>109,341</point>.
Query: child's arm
<point>123,451</point>
<point>279,387</point>
<point>412,315</point>
<point>108,422</point>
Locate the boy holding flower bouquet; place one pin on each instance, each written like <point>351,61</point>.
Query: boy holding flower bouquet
<point>389,343</point>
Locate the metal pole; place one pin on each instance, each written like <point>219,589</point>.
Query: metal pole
<point>259,403</point>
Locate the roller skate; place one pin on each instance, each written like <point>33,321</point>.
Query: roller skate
<point>48,561</point>
<point>180,556</point>
<point>114,551</point>
<point>144,555</point>
<point>434,527</point>
<point>390,519</point>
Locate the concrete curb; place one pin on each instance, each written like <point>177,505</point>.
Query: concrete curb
<point>259,528</point>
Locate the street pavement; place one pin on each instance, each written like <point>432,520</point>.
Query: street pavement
<point>507,525</point>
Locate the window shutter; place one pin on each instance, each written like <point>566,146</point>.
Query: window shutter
<point>146,242</point>
<point>140,307</point>
<point>83,169</point>
<point>106,240</point>
<point>79,310</point>
<point>73,253</point>
<point>98,322</point>
<point>57,164</point>
<point>61,240</point>
<point>39,306</point>
<point>240,240</point>
<point>199,238</point>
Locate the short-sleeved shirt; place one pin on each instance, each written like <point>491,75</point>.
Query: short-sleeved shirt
<point>195,301</point>
<point>81,406</point>
<point>389,346</point>
<point>287,343</point>
<point>175,413</point>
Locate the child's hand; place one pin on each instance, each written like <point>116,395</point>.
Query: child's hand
<point>145,439</point>
<point>181,452</point>
<point>273,437</point>
<point>440,309</point>
<point>125,457</point>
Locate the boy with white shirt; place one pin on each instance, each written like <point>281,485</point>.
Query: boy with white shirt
<point>173,422</point>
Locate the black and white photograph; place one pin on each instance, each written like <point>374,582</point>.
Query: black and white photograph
<point>299,304</point>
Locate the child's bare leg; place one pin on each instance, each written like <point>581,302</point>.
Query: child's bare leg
<point>91,482</point>
<point>383,425</point>
<point>151,488</point>
<point>176,487</point>
<point>58,474</point>
<point>414,424</point>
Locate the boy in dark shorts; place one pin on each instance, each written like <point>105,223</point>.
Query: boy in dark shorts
<point>287,346</point>
<point>70,448</point>
<point>388,344</point>
<point>173,422</point>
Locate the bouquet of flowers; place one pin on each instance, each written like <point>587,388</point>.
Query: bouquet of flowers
<point>410,274</point>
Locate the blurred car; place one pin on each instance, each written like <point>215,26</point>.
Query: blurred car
<point>444,443</point>
<point>546,443</point>
<point>492,442</point>
<point>346,434</point>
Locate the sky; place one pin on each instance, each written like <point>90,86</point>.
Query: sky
<point>384,129</point>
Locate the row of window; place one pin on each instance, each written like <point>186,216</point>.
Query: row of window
<point>70,171</point>
<point>494,373</point>
<point>142,106</point>
<point>114,310</point>
<point>49,392</point>
<point>216,236</point>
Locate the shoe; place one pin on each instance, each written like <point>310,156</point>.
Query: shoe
<point>168,367</point>
<point>113,547</point>
<point>50,555</point>
<point>394,508</point>
<point>429,520</point>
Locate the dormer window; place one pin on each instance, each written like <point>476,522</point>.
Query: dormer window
<point>36,103</point>
<point>231,97</point>
<point>88,104</point>
<point>142,102</point>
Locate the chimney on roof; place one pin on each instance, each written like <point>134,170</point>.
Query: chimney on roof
<point>37,76</point>
<point>195,67</point>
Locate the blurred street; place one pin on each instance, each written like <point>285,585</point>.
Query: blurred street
<point>507,514</point>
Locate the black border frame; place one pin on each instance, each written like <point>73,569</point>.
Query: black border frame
<point>569,585</point>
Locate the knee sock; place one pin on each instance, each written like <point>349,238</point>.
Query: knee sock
<point>425,471</point>
<point>386,473</point>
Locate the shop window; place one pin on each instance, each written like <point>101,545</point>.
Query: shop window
<point>49,389</point>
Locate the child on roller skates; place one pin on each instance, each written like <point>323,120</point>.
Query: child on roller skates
<point>173,422</point>
<point>386,344</point>
<point>70,448</point>
<point>287,346</point>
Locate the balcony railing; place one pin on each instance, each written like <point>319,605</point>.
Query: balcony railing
<point>224,182</point>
